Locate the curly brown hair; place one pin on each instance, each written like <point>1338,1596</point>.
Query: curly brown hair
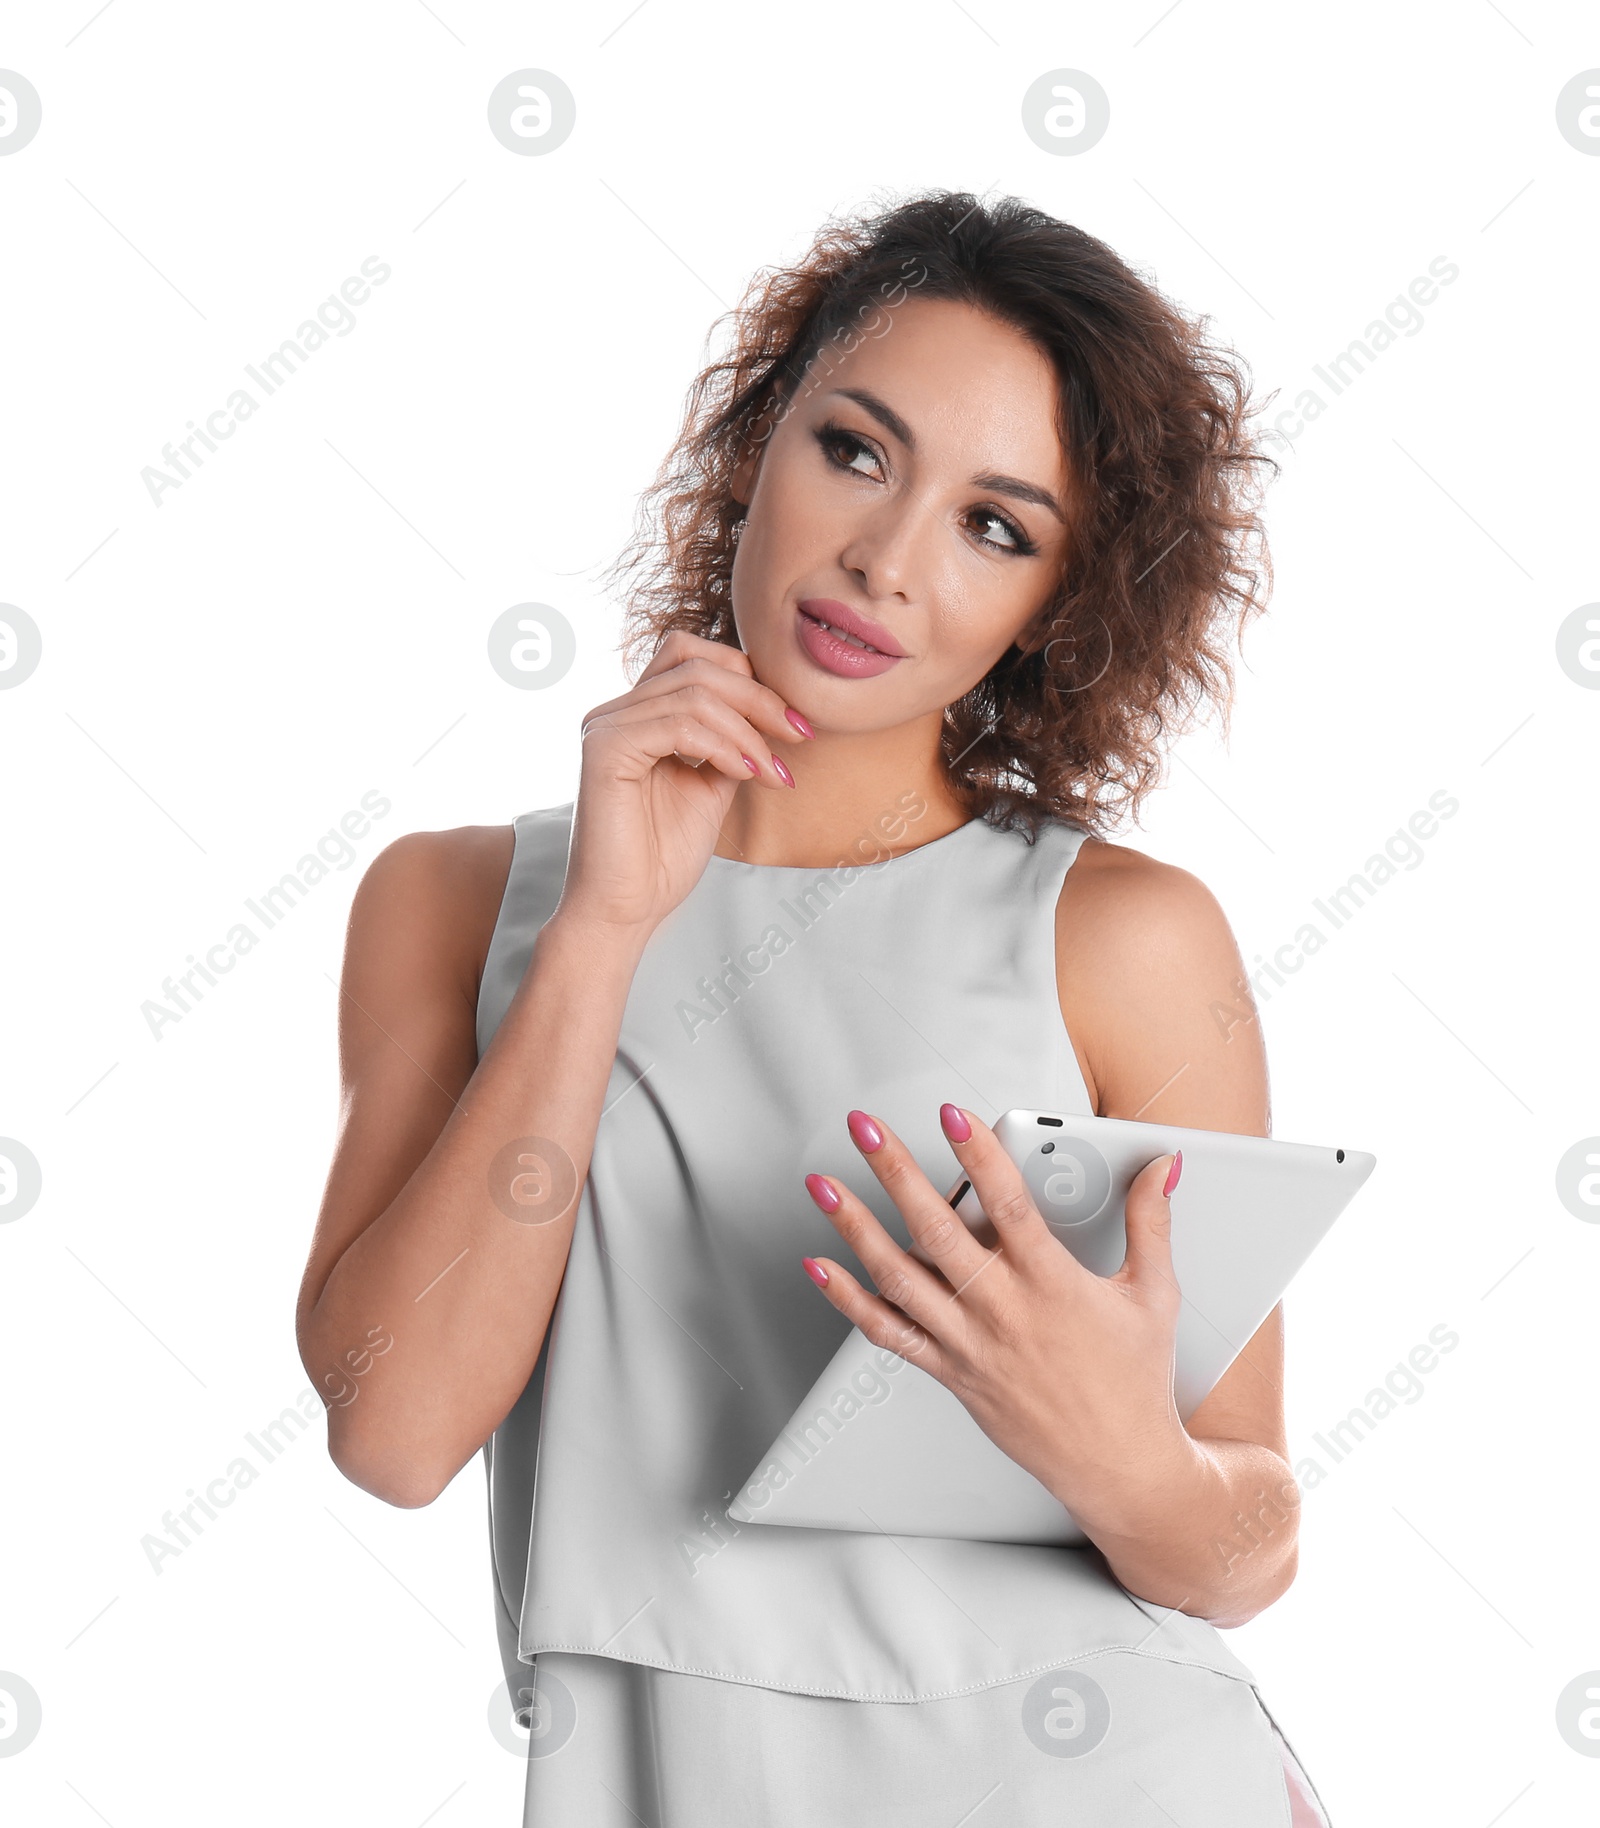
<point>1167,560</point>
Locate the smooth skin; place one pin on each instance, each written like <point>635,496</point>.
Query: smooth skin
<point>922,482</point>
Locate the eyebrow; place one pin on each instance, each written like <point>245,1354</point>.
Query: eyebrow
<point>891,421</point>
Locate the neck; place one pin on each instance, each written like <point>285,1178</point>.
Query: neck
<point>857,797</point>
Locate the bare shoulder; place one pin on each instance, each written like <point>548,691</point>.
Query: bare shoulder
<point>1155,995</point>
<point>418,934</point>
<point>430,899</point>
<point>1151,908</point>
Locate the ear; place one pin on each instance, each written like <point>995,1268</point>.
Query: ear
<point>742,483</point>
<point>1034,636</point>
<point>1051,620</point>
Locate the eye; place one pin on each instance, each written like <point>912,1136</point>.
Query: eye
<point>844,450</point>
<point>1015,539</point>
<point>834,439</point>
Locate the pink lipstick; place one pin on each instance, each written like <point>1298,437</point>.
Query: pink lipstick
<point>843,642</point>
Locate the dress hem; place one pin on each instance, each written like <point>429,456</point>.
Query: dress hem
<point>847,1694</point>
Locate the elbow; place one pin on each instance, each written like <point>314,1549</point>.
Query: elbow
<point>395,1478</point>
<point>1228,1610</point>
<point>377,1449</point>
<point>1229,1615</point>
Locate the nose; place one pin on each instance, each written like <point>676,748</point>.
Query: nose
<point>890,548</point>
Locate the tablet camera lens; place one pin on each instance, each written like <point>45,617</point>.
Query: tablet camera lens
<point>1339,1155</point>
<point>1069,1179</point>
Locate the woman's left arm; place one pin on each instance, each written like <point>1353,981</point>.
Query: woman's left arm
<point>1154,993</point>
<point>1068,1372</point>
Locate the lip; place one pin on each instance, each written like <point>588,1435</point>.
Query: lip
<point>840,657</point>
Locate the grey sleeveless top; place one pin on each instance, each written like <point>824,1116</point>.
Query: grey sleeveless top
<point>686,1332</point>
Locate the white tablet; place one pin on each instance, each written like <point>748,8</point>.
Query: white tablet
<point>879,1444</point>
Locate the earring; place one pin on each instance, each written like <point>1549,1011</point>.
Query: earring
<point>738,528</point>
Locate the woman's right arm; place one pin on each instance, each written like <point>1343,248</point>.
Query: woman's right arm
<point>411,1245</point>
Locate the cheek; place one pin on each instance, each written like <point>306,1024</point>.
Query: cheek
<point>978,621</point>
<point>765,563</point>
<point>797,505</point>
<point>794,529</point>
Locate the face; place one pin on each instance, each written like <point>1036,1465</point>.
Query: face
<point>916,499</point>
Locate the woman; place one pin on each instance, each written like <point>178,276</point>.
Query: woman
<point>948,542</point>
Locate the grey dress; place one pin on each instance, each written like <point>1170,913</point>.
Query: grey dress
<point>682,1670</point>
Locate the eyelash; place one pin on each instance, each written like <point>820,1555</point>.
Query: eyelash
<point>832,434</point>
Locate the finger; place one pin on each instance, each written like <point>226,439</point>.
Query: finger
<point>678,645</point>
<point>974,1219</point>
<point>918,1292</point>
<point>1019,1226</point>
<point>766,709</point>
<point>948,1244</point>
<point>880,1322</point>
<point>703,700</point>
<point>641,741</point>
<point>721,701</point>
<point>1147,1267</point>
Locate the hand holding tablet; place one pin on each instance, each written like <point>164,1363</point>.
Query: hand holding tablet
<point>882,1442</point>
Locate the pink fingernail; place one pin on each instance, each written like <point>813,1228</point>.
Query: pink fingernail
<point>954,1122</point>
<point>864,1132</point>
<point>748,763</point>
<point>783,773</point>
<point>816,1272</point>
<point>822,1193</point>
<point>799,722</point>
<point>1172,1175</point>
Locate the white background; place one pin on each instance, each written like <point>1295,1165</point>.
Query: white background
<point>304,620</point>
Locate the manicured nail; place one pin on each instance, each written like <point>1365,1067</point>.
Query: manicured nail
<point>748,763</point>
<point>783,773</point>
<point>822,1193</point>
<point>816,1272</point>
<point>799,722</point>
<point>864,1132</point>
<point>954,1122</point>
<point>1172,1175</point>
